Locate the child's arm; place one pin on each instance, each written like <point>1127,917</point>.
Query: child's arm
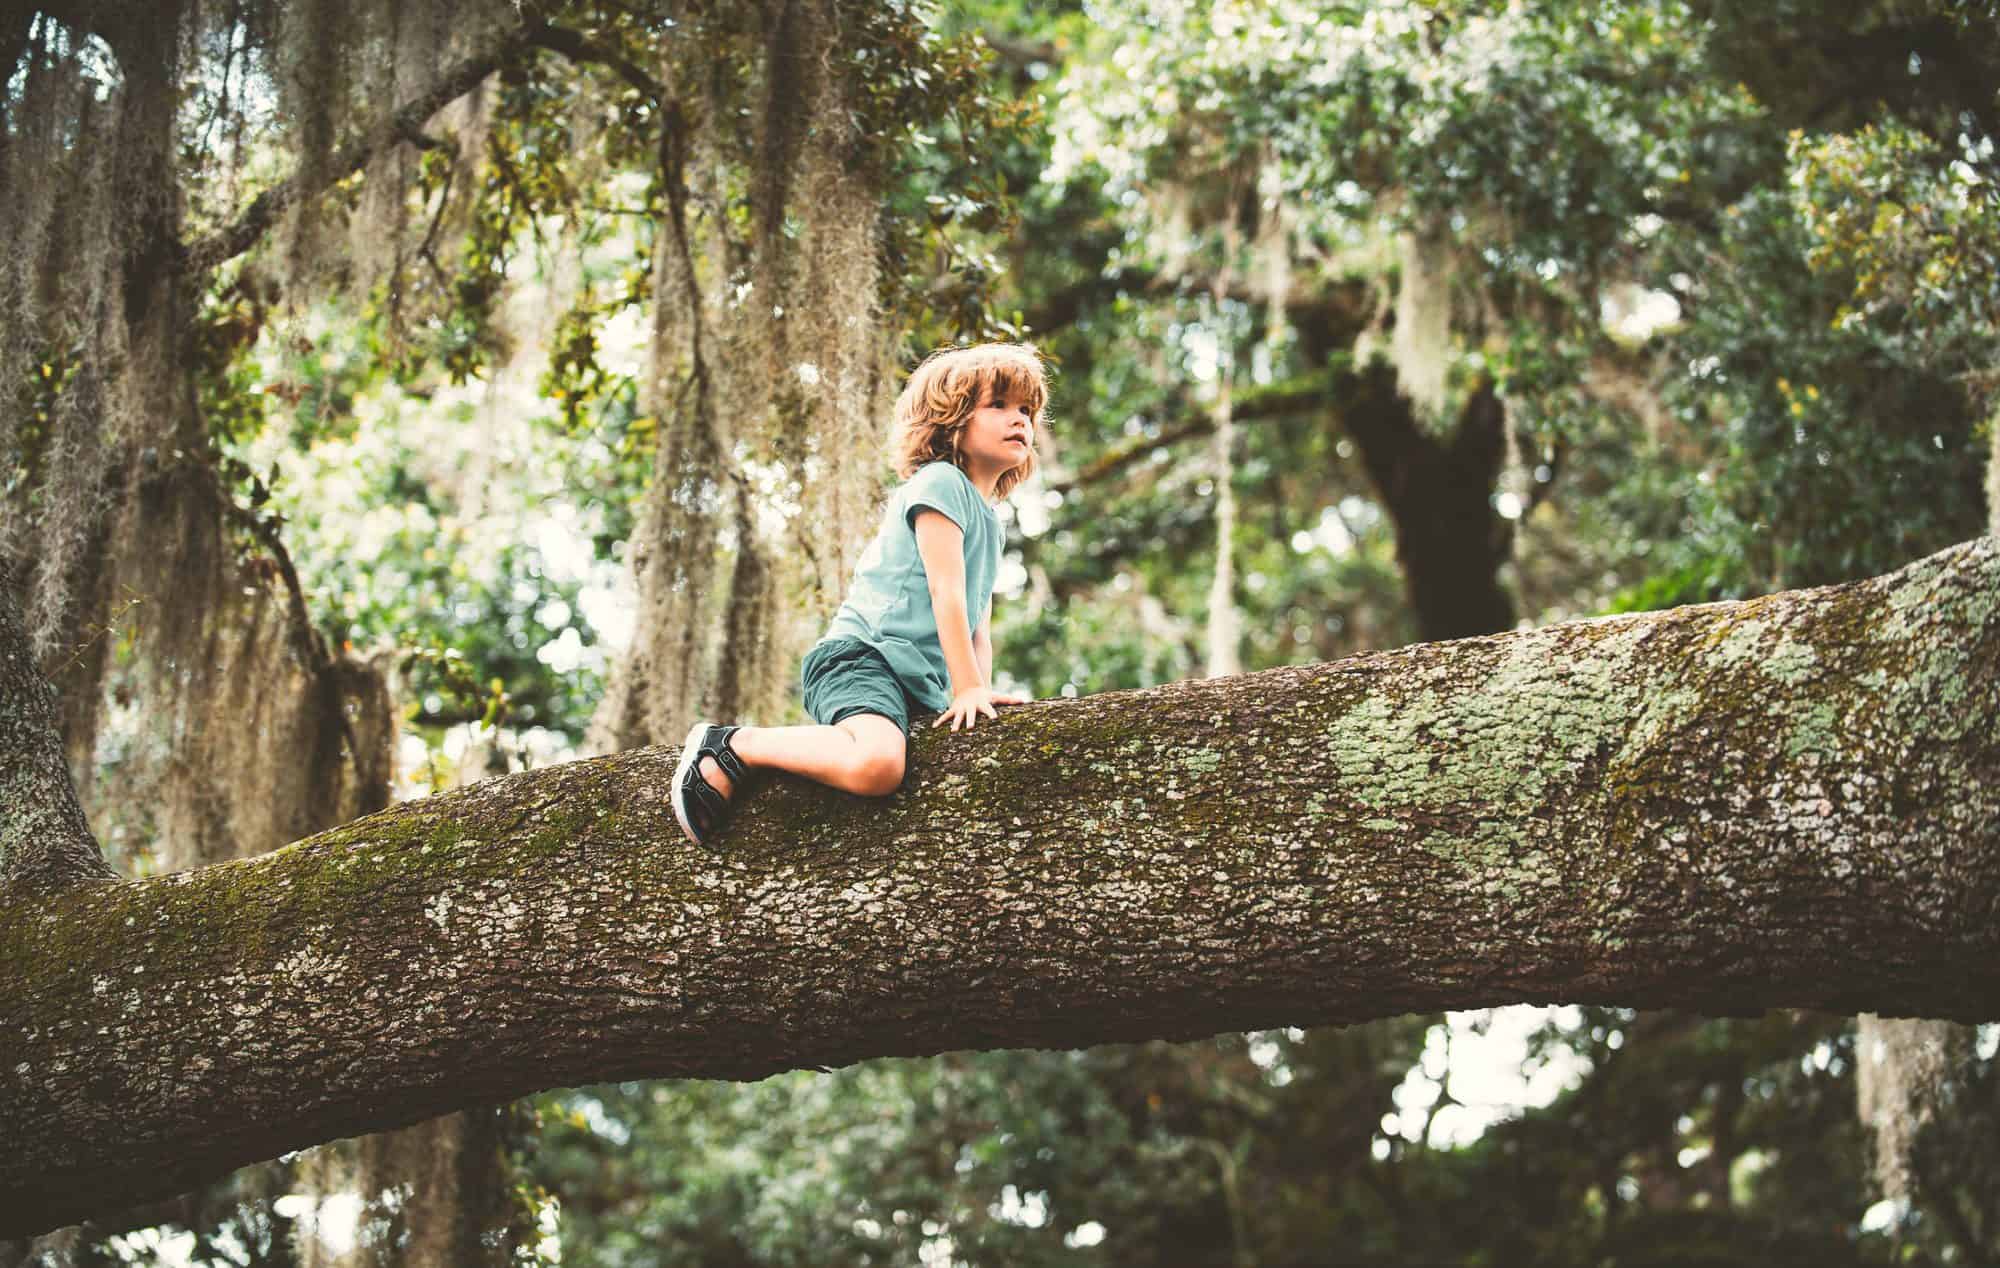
<point>982,646</point>
<point>941,545</point>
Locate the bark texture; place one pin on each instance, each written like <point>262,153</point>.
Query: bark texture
<point>1789,802</point>
<point>45,842</point>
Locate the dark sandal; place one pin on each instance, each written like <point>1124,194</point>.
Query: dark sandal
<point>701,809</point>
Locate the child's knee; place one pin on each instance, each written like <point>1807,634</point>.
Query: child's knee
<point>880,771</point>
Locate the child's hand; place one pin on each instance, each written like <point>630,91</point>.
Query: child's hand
<point>967,705</point>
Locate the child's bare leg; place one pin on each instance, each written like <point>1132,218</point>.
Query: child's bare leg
<point>862,754</point>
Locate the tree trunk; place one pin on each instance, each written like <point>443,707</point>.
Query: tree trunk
<point>1436,484</point>
<point>436,1195</point>
<point>1438,491</point>
<point>1993,477</point>
<point>1789,802</point>
<point>1225,620</point>
<point>45,843</point>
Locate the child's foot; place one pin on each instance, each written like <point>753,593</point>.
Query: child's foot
<point>705,781</point>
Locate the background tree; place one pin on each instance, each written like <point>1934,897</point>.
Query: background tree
<point>122,331</point>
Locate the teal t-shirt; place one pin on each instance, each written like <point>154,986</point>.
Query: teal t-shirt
<point>888,605</point>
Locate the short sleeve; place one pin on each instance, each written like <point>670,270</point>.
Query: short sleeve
<point>944,489</point>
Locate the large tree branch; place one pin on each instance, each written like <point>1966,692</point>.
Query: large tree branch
<point>1790,802</point>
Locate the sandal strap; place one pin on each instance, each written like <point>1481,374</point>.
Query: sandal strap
<point>715,744</point>
<point>707,809</point>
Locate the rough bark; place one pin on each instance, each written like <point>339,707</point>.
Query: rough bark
<point>45,842</point>
<point>1789,802</point>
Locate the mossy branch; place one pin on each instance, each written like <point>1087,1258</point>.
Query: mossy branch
<point>581,50</point>
<point>1789,802</point>
<point>406,121</point>
<point>405,125</point>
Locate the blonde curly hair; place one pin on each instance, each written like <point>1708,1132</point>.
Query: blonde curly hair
<point>943,391</point>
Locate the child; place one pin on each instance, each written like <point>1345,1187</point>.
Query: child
<point>915,632</point>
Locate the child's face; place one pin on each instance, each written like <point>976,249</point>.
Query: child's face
<point>1001,432</point>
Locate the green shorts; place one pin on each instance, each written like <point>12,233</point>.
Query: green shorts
<point>844,676</point>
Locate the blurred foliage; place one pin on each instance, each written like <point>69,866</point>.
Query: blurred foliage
<point>1677,1141</point>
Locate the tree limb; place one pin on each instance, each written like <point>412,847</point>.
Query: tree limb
<point>1020,53</point>
<point>408,119</point>
<point>577,48</point>
<point>1343,308</point>
<point>1789,802</point>
<point>1301,395</point>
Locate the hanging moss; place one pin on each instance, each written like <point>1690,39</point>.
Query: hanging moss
<point>1907,1069</point>
<point>768,370</point>
<point>96,212</point>
<point>1420,347</point>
